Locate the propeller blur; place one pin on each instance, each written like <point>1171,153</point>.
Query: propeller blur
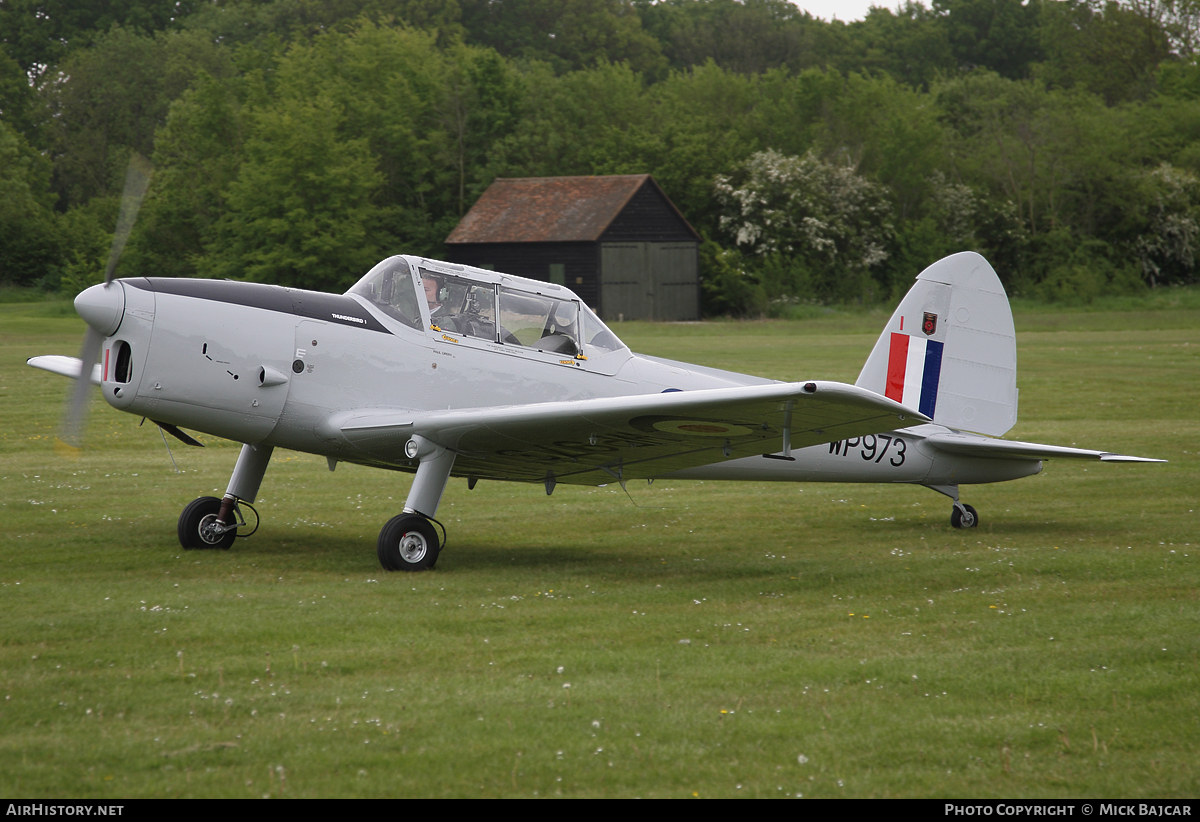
<point>103,313</point>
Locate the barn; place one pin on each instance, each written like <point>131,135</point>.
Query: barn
<point>616,241</point>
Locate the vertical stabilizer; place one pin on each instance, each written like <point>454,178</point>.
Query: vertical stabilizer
<point>950,350</point>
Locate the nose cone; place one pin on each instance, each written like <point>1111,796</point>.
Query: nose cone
<point>102,307</point>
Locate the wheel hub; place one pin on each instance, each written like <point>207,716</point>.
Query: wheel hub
<point>212,529</point>
<point>412,547</point>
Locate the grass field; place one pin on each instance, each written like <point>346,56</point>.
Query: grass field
<point>698,639</point>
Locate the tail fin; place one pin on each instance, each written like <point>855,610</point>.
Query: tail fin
<point>950,349</point>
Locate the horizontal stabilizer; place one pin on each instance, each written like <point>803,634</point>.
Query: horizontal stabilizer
<point>973,446</point>
<point>65,366</point>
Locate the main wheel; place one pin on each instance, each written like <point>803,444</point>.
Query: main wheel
<point>196,526</point>
<point>959,519</point>
<point>408,543</point>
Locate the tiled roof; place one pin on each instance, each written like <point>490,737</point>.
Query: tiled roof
<point>547,209</point>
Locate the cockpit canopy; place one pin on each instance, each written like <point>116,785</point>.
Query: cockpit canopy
<point>484,305</point>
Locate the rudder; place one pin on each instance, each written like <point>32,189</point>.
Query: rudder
<point>950,349</point>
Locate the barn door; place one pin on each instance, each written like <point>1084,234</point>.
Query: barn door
<point>672,268</point>
<point>625,289</point>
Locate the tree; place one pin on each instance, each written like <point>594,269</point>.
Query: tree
<point>1102,46</point>
<point>569,34</point>
<point>911,45</point>
<point>1168,248</point>
<point>996,35</point>
<point>40,33</point>
<point>109,100</point>
<point>1026,144</point>
<point>301,210</point>
<point>745,36</point>
<point>196,156</point>
<point>832,221</point>
<point>30,244</point>
<point>250,22</point>
<point>19,106</point>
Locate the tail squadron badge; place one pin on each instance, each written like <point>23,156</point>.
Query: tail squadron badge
<point>930,324</point>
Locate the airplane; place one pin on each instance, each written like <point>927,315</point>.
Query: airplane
<point>444,370</point>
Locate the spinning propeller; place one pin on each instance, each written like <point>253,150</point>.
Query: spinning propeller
<point>102,306</point>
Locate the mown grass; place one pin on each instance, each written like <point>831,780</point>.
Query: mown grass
<point>1051,652</point>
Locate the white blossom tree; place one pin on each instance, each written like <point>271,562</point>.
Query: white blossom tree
<point>826,218</point>
<point>1167,250</point>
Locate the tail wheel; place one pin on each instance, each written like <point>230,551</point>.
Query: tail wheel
<point>408,542</point>
<point>966,517</point>
<point>197,526</point>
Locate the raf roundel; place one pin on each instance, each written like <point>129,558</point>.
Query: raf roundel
<point>702,428</point>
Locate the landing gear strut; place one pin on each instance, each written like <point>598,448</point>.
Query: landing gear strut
<point>409,542</point>
<point>209,522</point>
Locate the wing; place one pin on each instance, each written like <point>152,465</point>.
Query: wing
<point>595,441</point>
<point>66,366</point>
<point>974,446</point>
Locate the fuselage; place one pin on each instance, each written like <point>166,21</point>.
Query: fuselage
<point>269,365</point>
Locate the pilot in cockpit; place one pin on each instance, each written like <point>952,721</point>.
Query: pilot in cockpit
<point>433,287</point>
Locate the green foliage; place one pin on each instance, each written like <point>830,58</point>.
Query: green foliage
<point>90,230</point>
<point>40,33</point>
<point>743,36</point>
<point>910,45</point>
<point>727,288</point>
<point>994,35</point>
<point>834,222</point>
<point>108,101</point>
<point>1170,244</point>
<point>300,213</point>
<point>196,158</point>
<point>18,101</point>
<point>1026,131</point>
<point>569,34</point>
<point>1086,273</point>
<point>1108,48</point>
<point>29,234</point>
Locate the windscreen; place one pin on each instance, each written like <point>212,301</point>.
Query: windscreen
<point>596,334</point>
<point>389,286</point>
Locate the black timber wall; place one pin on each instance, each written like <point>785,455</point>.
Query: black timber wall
<point>647,217</point>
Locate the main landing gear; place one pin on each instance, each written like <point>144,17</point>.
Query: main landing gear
<point>408,542</point>
<point>961,516</point>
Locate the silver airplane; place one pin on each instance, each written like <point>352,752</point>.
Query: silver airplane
<point>442,370</point>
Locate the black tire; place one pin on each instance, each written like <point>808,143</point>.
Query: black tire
<point>193,534</point>
<point>959,520</point>
<point>408,542</point>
